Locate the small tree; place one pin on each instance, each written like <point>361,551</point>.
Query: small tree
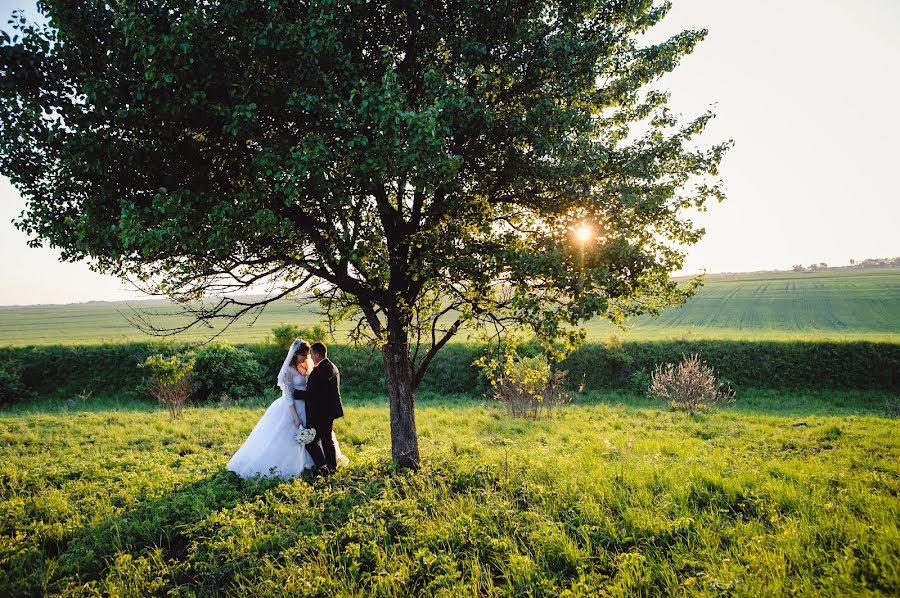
<point>689,386</point>
<point>170,380</point>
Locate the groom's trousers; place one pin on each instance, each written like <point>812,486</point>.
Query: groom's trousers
<point>324,455</point>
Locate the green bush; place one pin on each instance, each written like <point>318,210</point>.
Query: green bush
<point>12,389</point>
<point>891,407</point>
<point>603,365</point>
<point>620,360</point>
<point>453,371</point>
<point>284,334</point>
<point>102,370</point>
<point>639,382</point>
<point>167,370</point>
<point>226,370</point>
<point>749,364</point>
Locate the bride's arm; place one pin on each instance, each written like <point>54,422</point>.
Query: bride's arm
<point>294,415</point>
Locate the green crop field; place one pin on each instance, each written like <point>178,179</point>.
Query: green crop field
<point>781,494</point>
<point>837,305</point>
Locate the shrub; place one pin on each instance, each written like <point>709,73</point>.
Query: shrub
<point>689,386</point>
<point>169,380</point>
<point>223,369</point>
<point>639,381</point>
<point>529,385</point>
<point>620,360</point>
<point>602,365</point>
<point>284,334</point>
<point>12,388</point>
<point>750,364</point>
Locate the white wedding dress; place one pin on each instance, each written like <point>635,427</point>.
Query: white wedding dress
<point>270,449</point>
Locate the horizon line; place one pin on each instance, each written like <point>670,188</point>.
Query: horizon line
<point>150,298</point>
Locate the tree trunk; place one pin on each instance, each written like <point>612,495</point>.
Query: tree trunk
<point>402,394</point>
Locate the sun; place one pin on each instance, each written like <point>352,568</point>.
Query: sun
<point>584,233</point>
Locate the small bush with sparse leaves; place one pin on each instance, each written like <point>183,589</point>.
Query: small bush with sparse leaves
<point>529,386</point>
<point>690,386</point>
<point>169,380</point>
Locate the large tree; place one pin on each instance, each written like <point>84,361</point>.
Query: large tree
<point>421,166</point>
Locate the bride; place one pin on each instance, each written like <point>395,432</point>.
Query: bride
<point>270,449</point>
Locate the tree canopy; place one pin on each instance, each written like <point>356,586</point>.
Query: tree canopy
<point>421,166</point>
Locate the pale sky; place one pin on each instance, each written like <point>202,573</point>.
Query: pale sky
<point>809,91</point>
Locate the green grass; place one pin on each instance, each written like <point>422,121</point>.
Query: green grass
<point>779,494</point>
<point>786,306</point>
<point>838,305</point>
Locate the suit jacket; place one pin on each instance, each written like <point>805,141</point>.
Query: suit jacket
<point>323,394</point>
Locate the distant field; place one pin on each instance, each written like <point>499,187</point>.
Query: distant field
<point>838,305</point>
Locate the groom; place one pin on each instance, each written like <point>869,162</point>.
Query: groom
<point>323,406</point>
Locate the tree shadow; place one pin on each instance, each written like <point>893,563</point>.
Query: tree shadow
<point>161,525</point>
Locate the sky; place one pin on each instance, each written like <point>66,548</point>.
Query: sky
<point>807,89</point>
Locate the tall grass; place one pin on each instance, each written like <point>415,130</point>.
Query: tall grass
<point>614,496</point>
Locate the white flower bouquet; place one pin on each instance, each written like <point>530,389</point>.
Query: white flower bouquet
<point>305,435</point>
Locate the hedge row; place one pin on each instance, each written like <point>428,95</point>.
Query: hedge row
<point>764,365</point>
<point>112,369</point>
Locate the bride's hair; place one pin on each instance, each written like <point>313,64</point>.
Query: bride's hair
<point>302,360</point>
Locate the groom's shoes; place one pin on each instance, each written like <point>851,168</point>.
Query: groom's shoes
<point>311,475</point>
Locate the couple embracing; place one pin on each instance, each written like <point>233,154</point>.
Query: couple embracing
<point>310,398</point>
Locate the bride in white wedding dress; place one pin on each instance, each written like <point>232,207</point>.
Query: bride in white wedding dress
<point>270,449</point>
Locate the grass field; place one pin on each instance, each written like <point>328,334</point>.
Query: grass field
<point>838,305</point>
<point>778,495</point>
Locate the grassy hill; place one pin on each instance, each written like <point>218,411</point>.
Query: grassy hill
<point>840,305</point>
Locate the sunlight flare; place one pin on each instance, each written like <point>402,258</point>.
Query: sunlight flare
<point>584,233</point>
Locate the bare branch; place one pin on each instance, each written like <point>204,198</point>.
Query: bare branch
<point>432,351</point>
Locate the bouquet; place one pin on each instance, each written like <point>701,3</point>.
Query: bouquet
<point>305,435</point>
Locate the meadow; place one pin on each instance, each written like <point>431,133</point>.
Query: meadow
<point>791,490</point>
<point>778,494</point>
<point>843,305</point>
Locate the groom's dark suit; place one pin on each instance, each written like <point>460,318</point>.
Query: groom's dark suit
<point>323,406</point>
